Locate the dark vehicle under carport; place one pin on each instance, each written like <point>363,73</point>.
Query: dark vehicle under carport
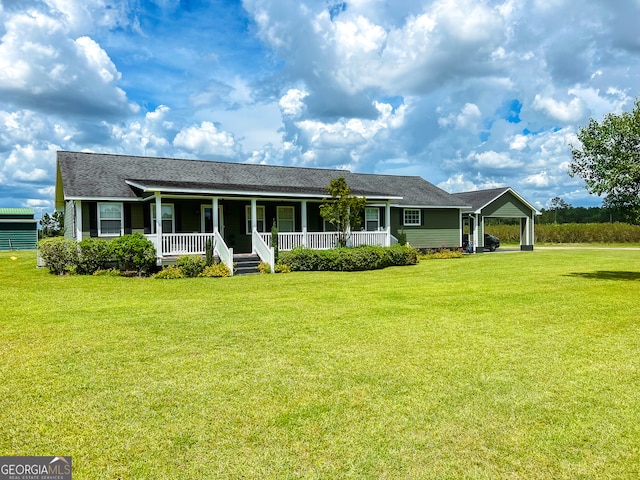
<point>491,242</point>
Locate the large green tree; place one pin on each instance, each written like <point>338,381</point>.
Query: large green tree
<point>52,225</point>
<point>556,204</point>
<point>343,210</point>
<point>608,160</point>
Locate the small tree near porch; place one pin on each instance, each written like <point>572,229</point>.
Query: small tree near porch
<point>342,210</point>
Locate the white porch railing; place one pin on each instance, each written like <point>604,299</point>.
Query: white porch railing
<point>379,239</point>
<point>225,253</point>
<point>264,251</point>
<point>328,240</point>
<point>174,244</point>
<point>185,243</point>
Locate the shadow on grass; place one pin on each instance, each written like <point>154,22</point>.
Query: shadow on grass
<point>607,275</point>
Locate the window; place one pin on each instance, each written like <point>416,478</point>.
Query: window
<point>168,218</point>
<point>110,219</point>
<point>286,219</point>
<point>411,217</point>
<point>371,219</point>
<point>259,215</point>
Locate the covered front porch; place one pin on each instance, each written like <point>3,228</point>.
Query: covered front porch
<point>243,225</point>
<point>174,244</point>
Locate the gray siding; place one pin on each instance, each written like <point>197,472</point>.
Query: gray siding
<point>69,219</point>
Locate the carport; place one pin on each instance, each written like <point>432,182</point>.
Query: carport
<point>498,203</point>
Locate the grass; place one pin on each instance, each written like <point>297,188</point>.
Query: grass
<point>520,365</point>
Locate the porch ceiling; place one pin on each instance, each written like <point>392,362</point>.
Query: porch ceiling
<point>214,188</point>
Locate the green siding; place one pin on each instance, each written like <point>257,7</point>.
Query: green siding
<point>137,217</point>
<point>19,236</point>
<point>314,220</point>
<point>18,229</point>
<point>506,206</point>
<point>440,228</point>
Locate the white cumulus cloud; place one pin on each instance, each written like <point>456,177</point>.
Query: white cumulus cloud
<point>207,139</point>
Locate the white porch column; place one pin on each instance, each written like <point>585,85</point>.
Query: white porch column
<point>254,215</point>
<point>304,222</point>
<point>387,223</point>
<point>254,221</point>
<point>159,252</point>
<point>78,232</point>
<point>348,239</point>
<point>215,214</point>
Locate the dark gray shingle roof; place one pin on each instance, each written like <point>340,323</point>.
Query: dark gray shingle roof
<point>92,175</point>
<point>480,198</point>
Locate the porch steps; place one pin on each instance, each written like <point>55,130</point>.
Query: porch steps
<point>246,263</point>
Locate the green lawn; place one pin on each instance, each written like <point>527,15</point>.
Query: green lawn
<point>515,365</point>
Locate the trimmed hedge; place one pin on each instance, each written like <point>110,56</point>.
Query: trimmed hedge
<point>191,265</point>
<point>131,252</point>
<point>94,254</point>
<point>59,254</point>
<point>348,259</point>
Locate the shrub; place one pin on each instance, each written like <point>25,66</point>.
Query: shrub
<point>264,267</point>
<point>282,268</point>
<point>216,270</point>
<point>94,254</point>
<point>349,259</point>
<point>209,252</point>
<point>109,272</point>
<point>274,242</point>
<point>441,254</point>
<point>134,252</point>
<point>169,273</point>
<point>191,265</point>
<point>59,254</point>
<point>402,237</point>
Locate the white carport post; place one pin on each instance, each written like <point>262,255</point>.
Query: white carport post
<point>476,228</point>
<point>533,230</point>
<point>525,232</point>
<point>78,232</point>
<point>159,252</point>
<point>387,223</point>
<point>303,215</point>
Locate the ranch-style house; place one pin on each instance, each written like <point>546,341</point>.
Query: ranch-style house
<point>236,204</point>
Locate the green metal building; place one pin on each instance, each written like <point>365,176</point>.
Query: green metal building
<point>18,229</point>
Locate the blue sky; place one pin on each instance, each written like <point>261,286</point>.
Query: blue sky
<point>468,94</point>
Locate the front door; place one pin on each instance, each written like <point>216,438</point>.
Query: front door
<point>206,216</point>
